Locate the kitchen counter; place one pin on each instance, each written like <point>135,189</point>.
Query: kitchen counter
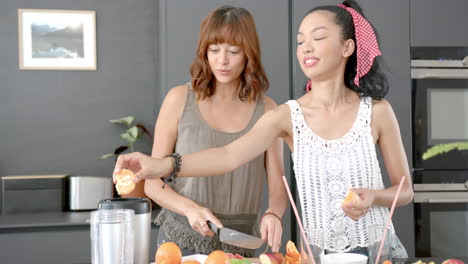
<point>427,260</point>
<point>52,238</point>
<point>43,220</point>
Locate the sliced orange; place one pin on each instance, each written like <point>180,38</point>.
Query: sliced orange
<point>290,260</point>
<point>291,247</point>
<point>125,184</point>
<point>291,250</point>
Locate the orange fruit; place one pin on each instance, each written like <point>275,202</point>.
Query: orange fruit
<point>291,250</point>
<point>168,253</point>
<point>191,262</point>
<point>124,183</point>
<point>290,260</point>
<point>387,262</point>
<point>351,197</point>
<point>217,257</point>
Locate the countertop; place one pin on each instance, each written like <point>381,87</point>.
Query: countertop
<point>427,260</point>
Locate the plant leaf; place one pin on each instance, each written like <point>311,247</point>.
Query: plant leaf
<point>106,156</point>
<point>444,148</point>
<point>133,131</point>
<point>124,120</point>
<point>128,137</point>
<point>145,130</point>
<point>120,149</point>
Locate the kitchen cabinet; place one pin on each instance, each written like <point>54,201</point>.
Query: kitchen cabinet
<point>391,18</point>
<point>439,23</point>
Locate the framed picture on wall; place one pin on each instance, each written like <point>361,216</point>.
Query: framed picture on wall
<point>57,39</point>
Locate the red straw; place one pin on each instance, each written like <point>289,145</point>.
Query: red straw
<point>389,220</point>
<point>293,205</point>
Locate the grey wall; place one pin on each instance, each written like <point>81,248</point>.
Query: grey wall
<point>56,121</point>
<point>439,23</point>
<point>395,45</point>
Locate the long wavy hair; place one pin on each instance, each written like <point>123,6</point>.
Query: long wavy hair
<point>374,83</point>
<point>233,25</point>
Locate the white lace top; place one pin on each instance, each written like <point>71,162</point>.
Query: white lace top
<point>326,169</point>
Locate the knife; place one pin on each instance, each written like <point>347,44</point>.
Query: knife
<point>235,238</point>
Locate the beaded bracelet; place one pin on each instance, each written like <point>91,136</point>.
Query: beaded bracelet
<point>273,214</point>
<point>177,163</point>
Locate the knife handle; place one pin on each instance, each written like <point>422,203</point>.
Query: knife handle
<point>213,227</point>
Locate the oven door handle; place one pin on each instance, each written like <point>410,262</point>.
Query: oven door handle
<point>440,197</point>
<point>429,73</point>
<point>459,200</point>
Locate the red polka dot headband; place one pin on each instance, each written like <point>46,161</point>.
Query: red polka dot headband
<point>367,47</point>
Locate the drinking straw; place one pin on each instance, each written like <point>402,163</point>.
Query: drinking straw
<point>389,220</point>
<point>293,205</point>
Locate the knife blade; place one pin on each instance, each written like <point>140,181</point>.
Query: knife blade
<point>235,238</point>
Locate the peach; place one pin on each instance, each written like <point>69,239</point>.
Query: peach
<point>270,258</point>
<point>453,261</point>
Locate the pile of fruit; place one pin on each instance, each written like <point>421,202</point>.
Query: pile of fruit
<point>448,261</point>
<point>170,253</point>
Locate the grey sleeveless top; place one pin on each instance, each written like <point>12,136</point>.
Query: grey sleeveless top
<point>234,197</point>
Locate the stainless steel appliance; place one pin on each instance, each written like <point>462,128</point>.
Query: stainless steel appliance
<point>441,213</point>
<point>32,194</point>
<point>440,115</point>
<point>440,104</point>
<point>85,192</point>
<point>141,224</point>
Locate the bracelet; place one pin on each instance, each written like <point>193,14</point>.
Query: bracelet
<point>177,163</point>
<point>273,214</point>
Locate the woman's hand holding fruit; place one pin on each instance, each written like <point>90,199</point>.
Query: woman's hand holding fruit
<point>358,202</point>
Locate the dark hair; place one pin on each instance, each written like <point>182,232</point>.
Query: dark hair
<point>374,83</point>
<point>236,26</point>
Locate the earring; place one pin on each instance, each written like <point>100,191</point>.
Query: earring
<point>309,86</point>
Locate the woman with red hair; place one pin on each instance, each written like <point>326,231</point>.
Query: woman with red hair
<point>223,100</point>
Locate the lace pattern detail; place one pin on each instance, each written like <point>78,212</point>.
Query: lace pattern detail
<point>185,237</point>
<point>326,169</point>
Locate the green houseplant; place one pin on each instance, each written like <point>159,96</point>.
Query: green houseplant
<point>132,134</point>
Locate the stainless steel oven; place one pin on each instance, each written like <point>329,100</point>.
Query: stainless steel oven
<point>440,104</point>
<point>441,213</point>
<point>440,115</point>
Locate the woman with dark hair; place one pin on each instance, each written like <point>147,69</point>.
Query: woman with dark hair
<point>224,99</point>
<point>332,132</point>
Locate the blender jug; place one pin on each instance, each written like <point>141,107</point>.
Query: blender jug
<point>141,224</point>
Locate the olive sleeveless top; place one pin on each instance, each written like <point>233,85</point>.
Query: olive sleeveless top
<point>234,198</point>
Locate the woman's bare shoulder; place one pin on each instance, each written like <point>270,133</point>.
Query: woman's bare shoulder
<point>270,104</point>
<point>383,117</point>
<point>281,115</point>
<point>175,99</point>
<point>178,92</point>
<point>381,108</point>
